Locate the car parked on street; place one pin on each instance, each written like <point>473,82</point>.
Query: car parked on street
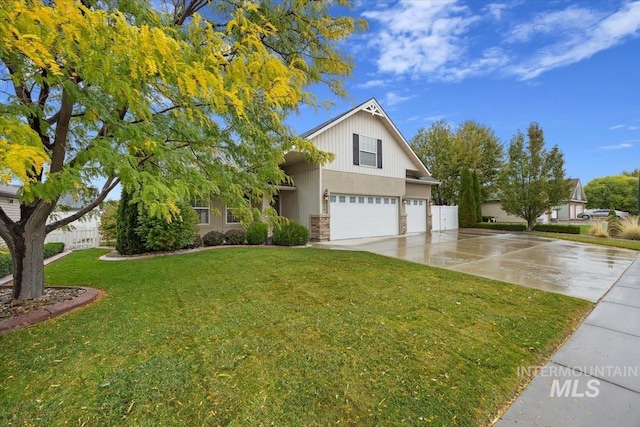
<point>601,213</point>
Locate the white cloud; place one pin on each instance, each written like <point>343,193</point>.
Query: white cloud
<point>626,127</point>
<point>420,37</point>
<point>587,39</point>
<point>615,147</point>
<point>393,98</point>
<point>617,127</point>
<point>446,40</point>
<point>496,9</point>
<point>371,84</point>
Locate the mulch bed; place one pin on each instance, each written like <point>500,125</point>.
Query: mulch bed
<point>12,308</point>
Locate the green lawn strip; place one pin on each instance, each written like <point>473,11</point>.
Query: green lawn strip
<point>602,241</point>
<point>249,336</point>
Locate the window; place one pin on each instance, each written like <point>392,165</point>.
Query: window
<point>386,200</point>
<point>352,199</point>
<point>230,219</point>
<point>12,201</point>
<point>367,151</point>
<point>333,199</point>
<point>360,199</point>
<point>420,202</point>
<point>343,199</point>
<point>202,210</point>
<point>370,200</point>
<point>378,200</point>
<point>393,201</point>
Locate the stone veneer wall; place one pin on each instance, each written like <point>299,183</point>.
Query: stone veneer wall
<point>320,227</point>
<point>403,223</point>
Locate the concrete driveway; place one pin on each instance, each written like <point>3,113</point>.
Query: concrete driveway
<point>575,269</point>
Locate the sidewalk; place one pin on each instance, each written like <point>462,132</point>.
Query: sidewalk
<point>594,378</point>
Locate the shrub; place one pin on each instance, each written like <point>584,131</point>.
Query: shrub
<point>128,242</point>
<point>629,228</point>
<point>613,223</point>
<point>290,234</point>
<point>6,265</point>
<point>109,223</point>
<point>597,229</point>
<point>53,248</point>
<point>557,228</point>
<point>159,235</point>
<point>197,242</point>
<point>213,238</point>
<point>234,237</point>
<point>257,233</point>
<point>506,226</point>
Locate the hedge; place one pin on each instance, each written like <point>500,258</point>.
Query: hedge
<point>506,226</point>
<point>557,228</point>
<point>290,234</point>
<point>50,249</point>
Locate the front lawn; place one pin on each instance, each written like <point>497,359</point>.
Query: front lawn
<point>267,336</point>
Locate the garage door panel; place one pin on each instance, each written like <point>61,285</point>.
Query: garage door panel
<point>363,216</point>
<point>416,210</point>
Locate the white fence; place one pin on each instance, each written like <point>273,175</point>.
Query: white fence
<point>444,218</point>
<point>82,238</point>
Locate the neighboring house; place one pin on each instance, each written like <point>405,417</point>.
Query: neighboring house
<point>576,204</point>
<point>375,186</point>
<point>79,234</point>
<point>570,210</point>
<point>9,201</point>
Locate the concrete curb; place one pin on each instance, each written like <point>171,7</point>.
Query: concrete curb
<point>29,319</point>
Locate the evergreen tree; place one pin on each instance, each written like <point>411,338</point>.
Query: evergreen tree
<point>127,241</point>
<point>477,192</point>
<point>467,207</point>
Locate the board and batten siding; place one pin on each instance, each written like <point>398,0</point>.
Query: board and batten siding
<point>339,141</point>
<point>305,201</point>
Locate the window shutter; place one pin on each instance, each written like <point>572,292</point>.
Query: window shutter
<point>379,154</point>
<point>356,149</point>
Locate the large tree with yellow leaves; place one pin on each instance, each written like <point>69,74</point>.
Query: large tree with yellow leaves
<point>175,100</point>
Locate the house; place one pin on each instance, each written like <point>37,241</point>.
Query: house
<point>375,186</point>
<point>570,210</point>
<point>576,204</point>
<point>9,201</point>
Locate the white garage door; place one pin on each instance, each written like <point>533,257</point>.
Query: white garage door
<point>416,211</point>
<point>363,216</point>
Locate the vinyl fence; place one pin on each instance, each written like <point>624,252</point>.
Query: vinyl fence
<point>80,238</point>
<point>444,218</point>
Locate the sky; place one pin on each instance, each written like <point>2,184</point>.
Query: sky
<point>572,66</point>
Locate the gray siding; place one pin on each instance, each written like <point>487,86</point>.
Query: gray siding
<point>11,209</point>
<point>299,205</point>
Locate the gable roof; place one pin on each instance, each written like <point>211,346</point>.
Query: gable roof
<point>577,191</point>
<point>373,107</point>
<point>9,190</point>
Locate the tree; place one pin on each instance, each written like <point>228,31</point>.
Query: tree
<point>477,195</point>
<point>613,192</point>
<point>467,211</point>
<point>533,180</point>
<point>108,221</point>
<point>177,103</point>
<point>446,153</point>
<point>128,242</point>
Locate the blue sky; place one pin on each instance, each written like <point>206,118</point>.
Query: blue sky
<point>572,66</point>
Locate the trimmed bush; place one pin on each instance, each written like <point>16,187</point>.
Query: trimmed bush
<point>6,266</point>
<point>290,234</point>
<point>53,248</point>
<point>128,242</point>
<point>159,235</point>
<point>197,242</point>
<point>213,238</point>
<point>557,228</point>
<point>234,237</point>
<point>257,233</point>
<point>506,226</point>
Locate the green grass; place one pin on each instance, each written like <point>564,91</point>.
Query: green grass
<point>603,241</point>
<point>264,336</point>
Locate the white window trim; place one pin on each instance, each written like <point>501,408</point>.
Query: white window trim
<point>226,217</point>
<point>360,150</point>
<point>208,208</point>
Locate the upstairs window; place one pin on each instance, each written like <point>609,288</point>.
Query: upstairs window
<point>367,151</point>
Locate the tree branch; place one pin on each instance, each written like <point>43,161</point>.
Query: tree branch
<point>106,189</point>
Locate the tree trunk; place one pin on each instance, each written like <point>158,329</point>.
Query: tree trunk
<point>28,262</point>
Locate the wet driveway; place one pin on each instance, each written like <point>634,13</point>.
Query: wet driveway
<point>576,269</point>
